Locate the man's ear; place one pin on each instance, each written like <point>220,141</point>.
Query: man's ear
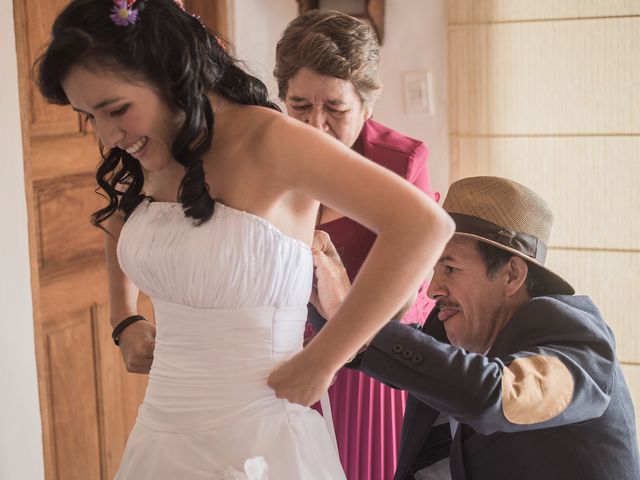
<point>516,274</point>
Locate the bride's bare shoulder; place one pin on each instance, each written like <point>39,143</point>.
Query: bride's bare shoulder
<point>262,129</point>
<point>261,119</point>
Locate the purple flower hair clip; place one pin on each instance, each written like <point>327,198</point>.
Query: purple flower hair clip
<point>122,14</point>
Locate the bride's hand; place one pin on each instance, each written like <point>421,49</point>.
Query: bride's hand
<point>300,380</point>
<point>137,343</point>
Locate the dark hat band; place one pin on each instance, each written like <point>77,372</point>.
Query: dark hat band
<point>524,243</point>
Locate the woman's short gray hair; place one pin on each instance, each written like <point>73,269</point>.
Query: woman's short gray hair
<point>330,43</point>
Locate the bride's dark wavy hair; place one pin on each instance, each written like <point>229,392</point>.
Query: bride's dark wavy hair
<point>174,53</point>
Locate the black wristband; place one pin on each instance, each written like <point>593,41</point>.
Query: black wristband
<point>122,325</point>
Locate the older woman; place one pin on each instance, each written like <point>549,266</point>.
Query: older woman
<point>327,73</point>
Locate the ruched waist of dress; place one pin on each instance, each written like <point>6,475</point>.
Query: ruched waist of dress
<point>210,366</point>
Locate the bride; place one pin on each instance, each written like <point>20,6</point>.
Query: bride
<point>213,196</point>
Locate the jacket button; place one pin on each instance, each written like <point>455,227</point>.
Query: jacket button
<point>417,359</point>
<point>407,354</point>
<point>397,348</point>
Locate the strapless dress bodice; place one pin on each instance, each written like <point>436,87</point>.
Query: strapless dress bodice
<point>234,260</point>
<point>229,299</point>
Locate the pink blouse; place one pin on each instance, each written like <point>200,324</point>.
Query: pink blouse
<point>406,157</point>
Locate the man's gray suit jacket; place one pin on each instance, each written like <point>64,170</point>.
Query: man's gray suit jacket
<point>505,433</point>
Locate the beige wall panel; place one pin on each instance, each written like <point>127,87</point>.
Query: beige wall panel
<point>477,11</point>
<point>632,376</point>
<point>545,78</point>
<point>612,280</point>
<point>590,182</point>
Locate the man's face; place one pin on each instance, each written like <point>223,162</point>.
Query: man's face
<point>473,306</point>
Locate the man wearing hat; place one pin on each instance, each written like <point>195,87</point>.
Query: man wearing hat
<point>529,383</point>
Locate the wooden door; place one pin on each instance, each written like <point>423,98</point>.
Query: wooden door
<point>88,401</point>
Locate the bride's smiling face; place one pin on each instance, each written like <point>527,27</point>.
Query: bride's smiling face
<point>128,115</point>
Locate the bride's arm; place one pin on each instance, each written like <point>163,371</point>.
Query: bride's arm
<point>411,229</point>
<point>137,340</point>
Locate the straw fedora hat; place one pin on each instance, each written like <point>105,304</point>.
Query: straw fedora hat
<point>508,215</point>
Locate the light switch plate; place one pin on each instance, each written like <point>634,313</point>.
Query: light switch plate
<point>418,92</point>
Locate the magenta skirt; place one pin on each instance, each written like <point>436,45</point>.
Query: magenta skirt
<point>367,414</point>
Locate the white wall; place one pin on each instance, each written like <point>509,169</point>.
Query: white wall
<point>256,27</point>
<point>415,39</point>
<point>21,455</point>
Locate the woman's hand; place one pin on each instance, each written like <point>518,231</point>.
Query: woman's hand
<point>301,380</point>
<point>332,282</point>
<point>137,343</point>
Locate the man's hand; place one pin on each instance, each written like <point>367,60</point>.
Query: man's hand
<point>137,342</point>
<point>332,282</point>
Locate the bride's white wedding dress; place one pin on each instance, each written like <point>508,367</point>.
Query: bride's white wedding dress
<point>230,302</point>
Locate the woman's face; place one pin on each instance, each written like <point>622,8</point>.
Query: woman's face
<point>327,103</point>
<point>127,115</point>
